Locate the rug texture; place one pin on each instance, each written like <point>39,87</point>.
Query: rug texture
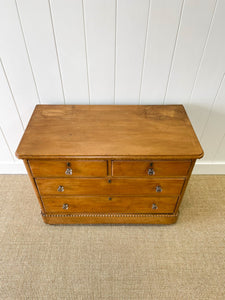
<point>181,261</point>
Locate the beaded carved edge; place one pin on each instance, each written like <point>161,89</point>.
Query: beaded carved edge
<point>109,215</point>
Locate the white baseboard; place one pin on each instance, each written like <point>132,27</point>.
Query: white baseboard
<point>12,168</point>
<point>209,168</point>
<point>200,168</point>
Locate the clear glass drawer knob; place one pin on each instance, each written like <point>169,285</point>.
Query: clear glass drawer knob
<point>154,206</point>
<point>151,171</point>
<point>69,170</point>
<point>65,206</point>
<point>158,189</point>
<point>60,188</point>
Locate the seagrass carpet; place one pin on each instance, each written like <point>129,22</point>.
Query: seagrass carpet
<point>181,261</point>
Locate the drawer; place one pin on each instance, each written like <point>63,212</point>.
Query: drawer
<point>68,168</point>
<point>109,204</point>
<point>149,168</point>
<point>115,186</point>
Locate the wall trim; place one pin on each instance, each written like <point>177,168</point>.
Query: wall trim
<point>209,168</point>
<point>200,168</point>
<point>12,168</point>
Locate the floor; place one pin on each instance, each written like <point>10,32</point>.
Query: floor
<point>180,261</point>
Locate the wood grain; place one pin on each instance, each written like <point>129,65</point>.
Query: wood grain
<point>80,168</point>
<point>106,204</point>
<point>105,186</point>
<point>107,130</point>
<point>110,218</point>
<point>140,168</point>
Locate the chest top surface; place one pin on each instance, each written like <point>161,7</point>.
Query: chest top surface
<point>109,130</point>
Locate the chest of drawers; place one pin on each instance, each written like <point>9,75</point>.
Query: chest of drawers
<point>109,164</point>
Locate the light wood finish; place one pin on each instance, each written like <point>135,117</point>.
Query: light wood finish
<point>98,186</point>
<point>110,150</point>
<point>109,130</point>
<point>80,168</point>
<point>34,184</point>
<point>109,204</point>
<point>141,168</point>
<point>86,218</point>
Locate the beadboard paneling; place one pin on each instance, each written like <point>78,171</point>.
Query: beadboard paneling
<point>10,120</point>
<point>210,72</point>
<point>16,60</point>
<point>5,153</point>
<point>39,36</point>
<point>163,25</point>
<point>131,32</point>
<point>70,41</point>
<point>192,37</point>
<point>99,22</point>
<point>114,51</point>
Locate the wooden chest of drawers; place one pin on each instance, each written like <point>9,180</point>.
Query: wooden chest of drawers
<point>109,164</point>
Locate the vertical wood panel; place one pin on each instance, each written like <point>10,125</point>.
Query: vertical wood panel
<point>162,31</point>
<point>16,62</point>
<point>191,40</point>
<point>9,119</point>
<point>132,19</point>
<point>69,32</point>
<point>38,32</point>
<point>220,154</point>
<point>5,154</point>
<point>210,71</point>
<point>214,130</point>
<point>99,16</point>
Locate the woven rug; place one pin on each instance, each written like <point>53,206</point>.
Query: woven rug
<point>181,261</point>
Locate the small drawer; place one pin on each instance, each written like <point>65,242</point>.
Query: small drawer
<point>68,168</point>
<point>106,186</point>
<point>145,168</point>
<point>109,204</point>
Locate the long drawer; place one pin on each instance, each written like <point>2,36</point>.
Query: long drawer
<point>68,168</point>
<point>104,186</point>
<point>146,168</point>
<point>109,204</point>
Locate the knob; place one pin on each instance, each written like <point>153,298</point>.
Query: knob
<point>151,171</point>
<point>158,189</point>
<point>60,188</point>
<point>65,206</point>
<point>109,181</point>
<point>69,171</point>
<point>110,198</point>
<point>154,206</point>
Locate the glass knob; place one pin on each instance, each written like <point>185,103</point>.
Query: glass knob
<point>65,206</point>
<point>158,189</point>
<point>151,171</point>
<point>154,206</point>
<point>60,188</point>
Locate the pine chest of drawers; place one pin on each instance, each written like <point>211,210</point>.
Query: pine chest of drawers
<point>109,163</point>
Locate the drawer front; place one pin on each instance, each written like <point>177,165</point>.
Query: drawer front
<point>109,204</point>
<point>150,168</point>
<point>68,168</point>
<point>115,186</point>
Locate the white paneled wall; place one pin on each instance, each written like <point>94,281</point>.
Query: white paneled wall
<point>113,52</point>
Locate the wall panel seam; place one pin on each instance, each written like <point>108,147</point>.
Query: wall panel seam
<point>28,55</point>
<point>11,92</point>
<point>174,49</point>
<point>56,50</point>
<point>86,52</point>
<point>4,137</point>
<point>212,106</point>
<point>203,53</point>
<point>145,46</point>
<point>115,49</point>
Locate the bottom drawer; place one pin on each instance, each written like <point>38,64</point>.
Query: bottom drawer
<point>109,204</point>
